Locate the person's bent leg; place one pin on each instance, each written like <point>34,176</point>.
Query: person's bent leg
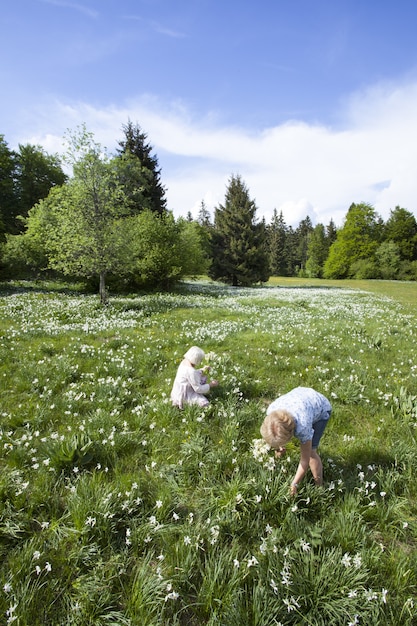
<point>316,467</point>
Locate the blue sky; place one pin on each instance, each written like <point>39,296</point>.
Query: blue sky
<point>314,104</point>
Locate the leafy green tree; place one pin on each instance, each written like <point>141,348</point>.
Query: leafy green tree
<point>82,221</point>
<point>358,239</point>
<point>388,257</point>
<point>37,173</point>
<point>27,253</point>
<point>160,251</point>
<point>317,251</point>
<point>277,233</point>
<point>401,228</point>
<point>239,252</point>
<point>152,191</point>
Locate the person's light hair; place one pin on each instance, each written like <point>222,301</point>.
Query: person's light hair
<point>195,355</point>
<point>278,428</point>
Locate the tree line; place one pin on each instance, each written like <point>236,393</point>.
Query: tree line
<point>108,222</point>
<point>364,247</point>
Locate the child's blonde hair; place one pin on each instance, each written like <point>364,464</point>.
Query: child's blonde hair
<point>278,428</point>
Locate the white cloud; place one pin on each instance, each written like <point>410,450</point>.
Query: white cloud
<point>295,167</point>
<point>73,5</point>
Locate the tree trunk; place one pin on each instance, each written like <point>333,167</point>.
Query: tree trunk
<point>102,288</point>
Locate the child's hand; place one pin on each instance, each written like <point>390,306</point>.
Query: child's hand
<point>279,452</point>
<point>293,489</point>
<point>214,383</point>
<point>206,369</point>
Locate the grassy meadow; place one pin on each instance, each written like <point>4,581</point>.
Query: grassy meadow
<point>117,509</point>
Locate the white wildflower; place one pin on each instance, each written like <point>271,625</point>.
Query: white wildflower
<point>274,586</point>
<point>291,604</point>
<point>173,595</point>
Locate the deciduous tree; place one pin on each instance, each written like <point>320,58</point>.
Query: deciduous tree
<point>36,174</point>
<point>358,239</point>
<point>83,220</point>
<point>401,228</point>
<point>317,251</point>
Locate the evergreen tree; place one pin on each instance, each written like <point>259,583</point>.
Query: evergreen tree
<point>302,234</point>
<point>277,232</point>
<point>8,197</point>
<point>238,243</point>
<point>331,233</point>
<point>153,193</point>
<point>204,215</point>
<point>290,252</point>
<point>205,228</point>
<point>26,177</point>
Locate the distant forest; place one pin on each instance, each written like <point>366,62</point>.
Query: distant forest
<point>109,224</point>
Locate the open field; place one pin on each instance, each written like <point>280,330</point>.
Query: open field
<point>402,291</point>
<point>118,509</point>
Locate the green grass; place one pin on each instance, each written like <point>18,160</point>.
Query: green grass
<point>404,292</point>
<point>115,508</point>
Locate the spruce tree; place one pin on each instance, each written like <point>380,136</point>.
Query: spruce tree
<point>205,228</point>
<point>204,216</point>
<point>331,232</point>
<point>135,144</point>
<point>277,232</point>
<point>290,252</point>
<point>302,235</point>
<point>238,242</point>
